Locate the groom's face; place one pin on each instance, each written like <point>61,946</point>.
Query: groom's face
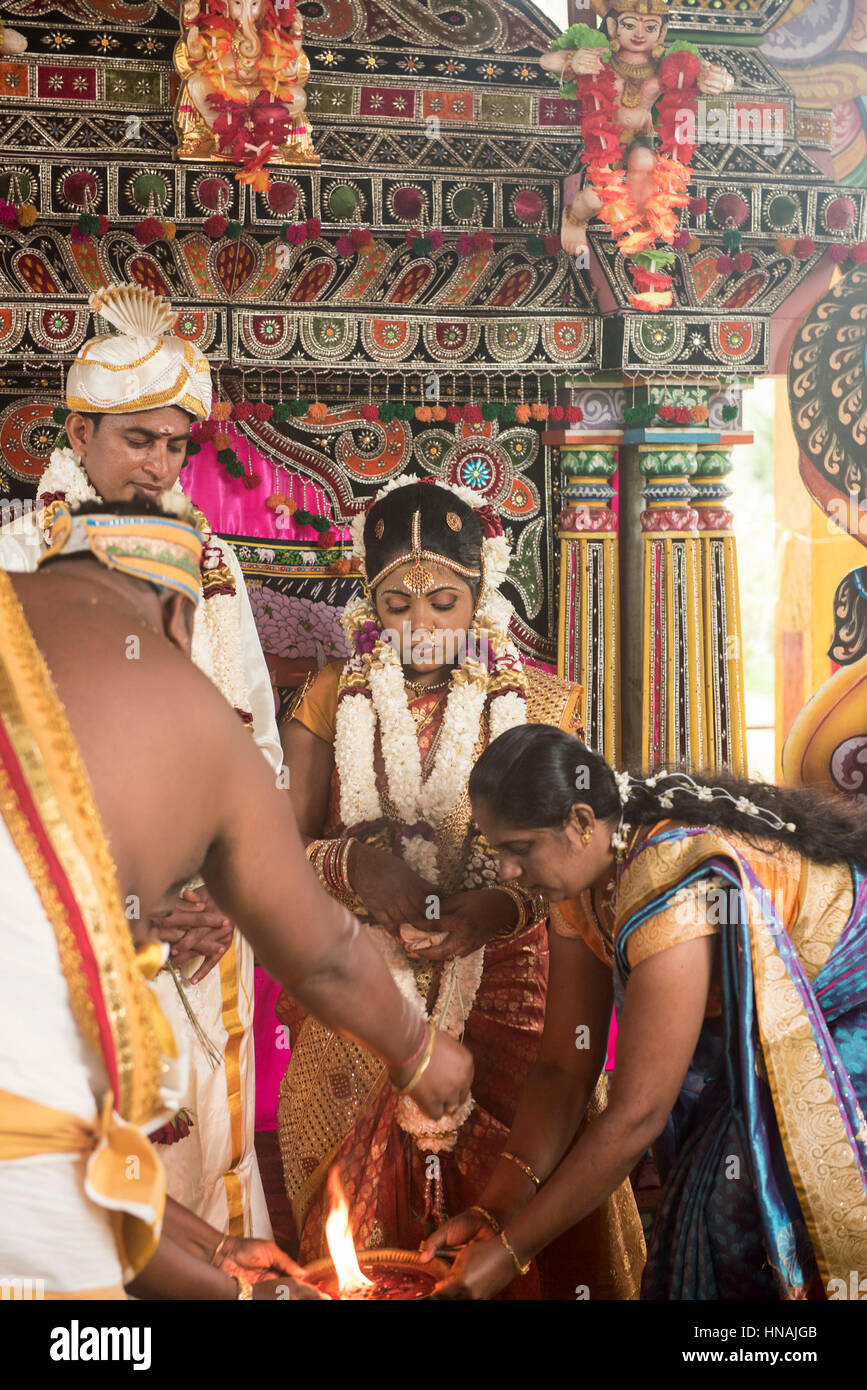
<point>135,456</point>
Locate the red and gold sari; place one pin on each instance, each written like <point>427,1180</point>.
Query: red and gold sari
<point>336,1105</point>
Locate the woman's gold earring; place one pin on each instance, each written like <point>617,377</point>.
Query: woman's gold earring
<point>658,50</point>
<point>586,836</point>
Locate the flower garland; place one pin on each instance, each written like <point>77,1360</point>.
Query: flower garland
<point>216,645</point>
<point>372,691</point>
<point>634,229</point>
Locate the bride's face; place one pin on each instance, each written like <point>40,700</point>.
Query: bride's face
<point>431,627</point>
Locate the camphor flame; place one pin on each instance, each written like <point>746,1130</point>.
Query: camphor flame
<point>341,1246</point>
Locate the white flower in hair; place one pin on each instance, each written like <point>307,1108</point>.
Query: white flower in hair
<point>704,793</point>
<point>623,781</point>
<point>620,838</point>
<point>666,801</point>
<point>745,807</point>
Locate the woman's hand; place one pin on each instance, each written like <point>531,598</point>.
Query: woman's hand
<point>480,1271</point>
<point>391,891</point>
<point>459,1230</point>
<point>469,920</point>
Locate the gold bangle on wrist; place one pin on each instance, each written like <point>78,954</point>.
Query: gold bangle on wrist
<point>245,1290</point>
<point>522,1269</point>
<point>422,1066</point>
<point>220,1243</point>
<point>524,1167</point>
<point>487,1217</point>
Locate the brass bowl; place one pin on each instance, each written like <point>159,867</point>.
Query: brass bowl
<point>322,1274</point>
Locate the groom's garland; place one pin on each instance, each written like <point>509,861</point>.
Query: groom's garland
<point>634,229</point>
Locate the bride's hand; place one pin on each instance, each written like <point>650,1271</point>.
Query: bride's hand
<point>469,920</point>
<point>391,891</point>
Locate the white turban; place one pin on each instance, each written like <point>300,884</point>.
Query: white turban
<point>138,368</point>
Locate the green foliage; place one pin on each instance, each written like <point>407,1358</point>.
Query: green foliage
<point>580,36</point>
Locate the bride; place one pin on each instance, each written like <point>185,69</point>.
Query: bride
<point>380,750</point>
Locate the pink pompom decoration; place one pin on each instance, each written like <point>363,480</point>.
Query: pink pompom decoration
<point>345,246</point>
<point>360,237</point>
<point>557,413</point>
<point>313,228</point>
<point>76,236</point>
<point>680,240</point>
<point>859,252</point>
<point>483,241</point>
<point>838,254</point>
<point>574,414</point>
<point>805,247</point>
<point>473,414</point>
<point>296,235</point>
<point>552,245</point>
<point>148,230</point>
<point>724,264</point>
<point>370,412</point>
<point>743,260</point>
<point>840,214</point>
<point>465,244</point>
<point>435,237</point>
<point>262,411</point>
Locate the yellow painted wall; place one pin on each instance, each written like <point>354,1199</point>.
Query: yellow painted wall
<point>812,556</point>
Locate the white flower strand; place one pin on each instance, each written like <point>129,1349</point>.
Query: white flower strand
<point>687,785</point>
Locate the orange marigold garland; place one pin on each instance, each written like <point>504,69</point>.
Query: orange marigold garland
<point>637,230</point>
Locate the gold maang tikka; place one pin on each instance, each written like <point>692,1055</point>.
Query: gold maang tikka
<point>418,579</point>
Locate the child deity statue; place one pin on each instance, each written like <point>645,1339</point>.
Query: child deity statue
<point>636,31</point>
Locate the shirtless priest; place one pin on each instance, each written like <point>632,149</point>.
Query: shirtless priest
<point>107,806</point>
<point>133,396</point>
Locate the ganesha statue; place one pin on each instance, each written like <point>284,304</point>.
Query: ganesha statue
<point>243,72</point>
<point>619,73</point>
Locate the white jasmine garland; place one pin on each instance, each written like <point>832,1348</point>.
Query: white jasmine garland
<point>356,729</point>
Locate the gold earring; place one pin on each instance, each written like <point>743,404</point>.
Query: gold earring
<point>658,50</point>
<point>615,45</point>
<point>586,836</point>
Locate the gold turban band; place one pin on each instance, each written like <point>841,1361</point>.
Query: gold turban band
<point>142,366</point>
<point>639,7</point>
<point>161,550</point>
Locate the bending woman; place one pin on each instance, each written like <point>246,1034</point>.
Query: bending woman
<point>735,915</point>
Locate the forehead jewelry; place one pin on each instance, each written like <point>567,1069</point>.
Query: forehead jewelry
<point>418,579</point>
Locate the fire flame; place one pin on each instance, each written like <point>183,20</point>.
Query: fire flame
<point>341,1246</point>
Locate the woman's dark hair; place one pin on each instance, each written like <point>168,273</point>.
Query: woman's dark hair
<point>534,774</point>
<point>395,510</point>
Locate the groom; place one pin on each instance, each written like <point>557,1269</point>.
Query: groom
<point>133,396</point>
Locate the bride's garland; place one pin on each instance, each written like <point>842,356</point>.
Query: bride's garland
<point>636,230</point>
<point>372,691</point>
<point>216,646</point>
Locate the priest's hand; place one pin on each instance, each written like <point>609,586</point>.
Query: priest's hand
<point>480,1271</point>
<point>391,891</point>
<point>446,1081</point>
<point>255,1260</point>
<point>468,920</point>
<point>458,1231</point>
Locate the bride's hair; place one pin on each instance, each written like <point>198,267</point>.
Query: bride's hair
<point>534,774</point>
<point>395,511</point>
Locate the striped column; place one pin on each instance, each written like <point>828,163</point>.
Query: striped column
<point>724,679</point>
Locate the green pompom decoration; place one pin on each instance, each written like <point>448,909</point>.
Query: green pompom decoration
<point>731,240</point>
<point>59,414</point>
<point>302,518</point>
<point>534,246</point>
<point>404,411</point>
<point>226,457</point>
<point>580,36</point>
<point>233,230</point>
<point>729,412</point>
<point>235,470</point>
<point>387,412</point>
<point>422,246</point>
<point>639,416</point>
<point>61,442</point>
<point>88,223</point>
<point>342,201</point>
<point>193,448</point>
<point>283,411</point>
<point>507,412</point>
<point>491,410</point>
<point>297,409</point>
<point>319,523</point>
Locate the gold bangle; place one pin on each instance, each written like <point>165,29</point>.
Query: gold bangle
<point>524,1167</point>
<point>486,1216</point>
<point>245,1290</point>
<point>522,1269</point>
<point>422,1066</point>
<point>221,1242</point>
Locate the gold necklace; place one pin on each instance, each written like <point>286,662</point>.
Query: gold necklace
<point>634,77</point>
<point>419,689</point>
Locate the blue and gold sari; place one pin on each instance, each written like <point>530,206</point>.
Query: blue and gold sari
<point>765,1194</point>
